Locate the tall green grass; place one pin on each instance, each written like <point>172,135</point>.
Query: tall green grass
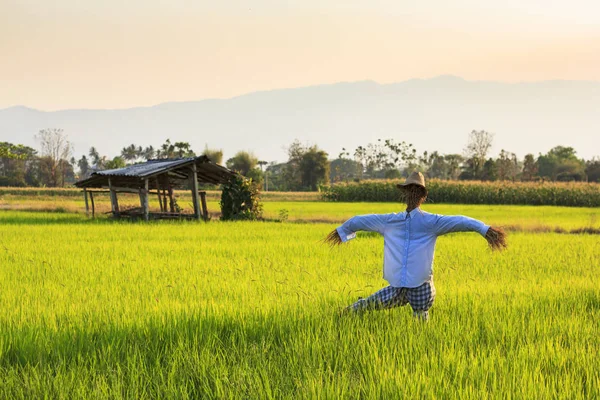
<point>94,308</point>
<point>532,193</point>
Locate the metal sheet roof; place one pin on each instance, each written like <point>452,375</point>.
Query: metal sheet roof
<point>134,175</point>
<point>145,169</point>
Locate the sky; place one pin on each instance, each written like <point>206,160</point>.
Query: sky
<point>116,54</point>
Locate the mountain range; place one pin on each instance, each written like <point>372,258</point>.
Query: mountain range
<point>433,114</point>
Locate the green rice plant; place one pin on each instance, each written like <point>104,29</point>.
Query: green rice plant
<point>108,309</point>
<point>515,218</point>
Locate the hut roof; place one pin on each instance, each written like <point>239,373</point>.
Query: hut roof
<point>176,169</point>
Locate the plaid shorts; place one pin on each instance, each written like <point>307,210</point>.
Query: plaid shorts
<point>420,298</point>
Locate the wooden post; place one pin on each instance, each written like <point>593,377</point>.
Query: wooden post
<point>87,206</point>
<point>171,201</point>
<point>162,209</point>
<point>114,201</point>
<point>164,194</point>
<point>93,206</point>
<point>195,198</point>
<point>146,205</point>
<point>204,208</point>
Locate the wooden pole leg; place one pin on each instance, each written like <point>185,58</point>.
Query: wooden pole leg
<point>171,200</point>
<point>93,205</point>
<point>160,202</point>
<point>114,201</point>
<point>87,206</point>
<point>195,199</point>
<point>145,203</point>
<point>204,207</point>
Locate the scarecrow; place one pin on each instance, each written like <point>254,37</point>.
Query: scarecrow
<point>409,246</point>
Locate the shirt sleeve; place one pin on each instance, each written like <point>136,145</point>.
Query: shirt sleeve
<point>369,223</point>
<point>458,223</point>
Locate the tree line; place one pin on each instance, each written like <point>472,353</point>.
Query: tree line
<point>307,166</point>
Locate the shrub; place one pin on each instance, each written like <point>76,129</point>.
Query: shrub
<point>240,200</point>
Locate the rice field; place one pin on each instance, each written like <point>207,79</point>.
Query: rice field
<point>301,207</point>
<point>104,309</point>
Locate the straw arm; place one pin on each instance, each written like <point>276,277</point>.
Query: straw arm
<point>496,238</point>
<point>333,239</point>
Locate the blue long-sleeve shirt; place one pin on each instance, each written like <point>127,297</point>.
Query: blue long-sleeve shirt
<point>409,241</point>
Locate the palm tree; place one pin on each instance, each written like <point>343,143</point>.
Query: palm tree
<point>262,163</point>
<point>130,153</point>
<point>167,150</point>
<point>148,153</point>
<point>94,155</point>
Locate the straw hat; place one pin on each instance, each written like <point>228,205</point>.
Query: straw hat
<point>416,178</point>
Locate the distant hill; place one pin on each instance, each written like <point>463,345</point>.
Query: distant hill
<point>433,114</point>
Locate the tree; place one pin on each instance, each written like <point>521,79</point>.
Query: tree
<point>132,153</point>
<point>56,147</point>
<point>45,165</point>
<point>479,145</point>
<point>489,172</point>
<point>343,169</point>
<point>84,167</point>
<point>399,155</point>
<point>214,155</point>
<point>262,164</point>
<point>570,170</point>
<point>561,164</point>
<point>116,163</point>
<point>291,172</point>
<point>67,172</point>
<point>175,150</point>
<point>98,162</point>
<point>314,167</point>
<point>33,173</point>
<point>245,163</point>
<point>148,153</point>
<point>184,150</point>
<point>441,166</point>
<point>13,151</point>
<point>530,168</point>
<point>454,163</point>
<point>276,174</point>
<point>242,162</point>
<point>385,158</point>
<point>307,167</point>
<point>167,150</point>
<point>16,162</point>
<point>468,172</point>
<point>592,170</point>
<point>507,166</point>
<point>94,155</point>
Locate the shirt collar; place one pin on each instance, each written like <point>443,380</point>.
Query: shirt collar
<point>412,213</point>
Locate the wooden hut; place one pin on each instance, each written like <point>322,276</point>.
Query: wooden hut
<point>158,178</point>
